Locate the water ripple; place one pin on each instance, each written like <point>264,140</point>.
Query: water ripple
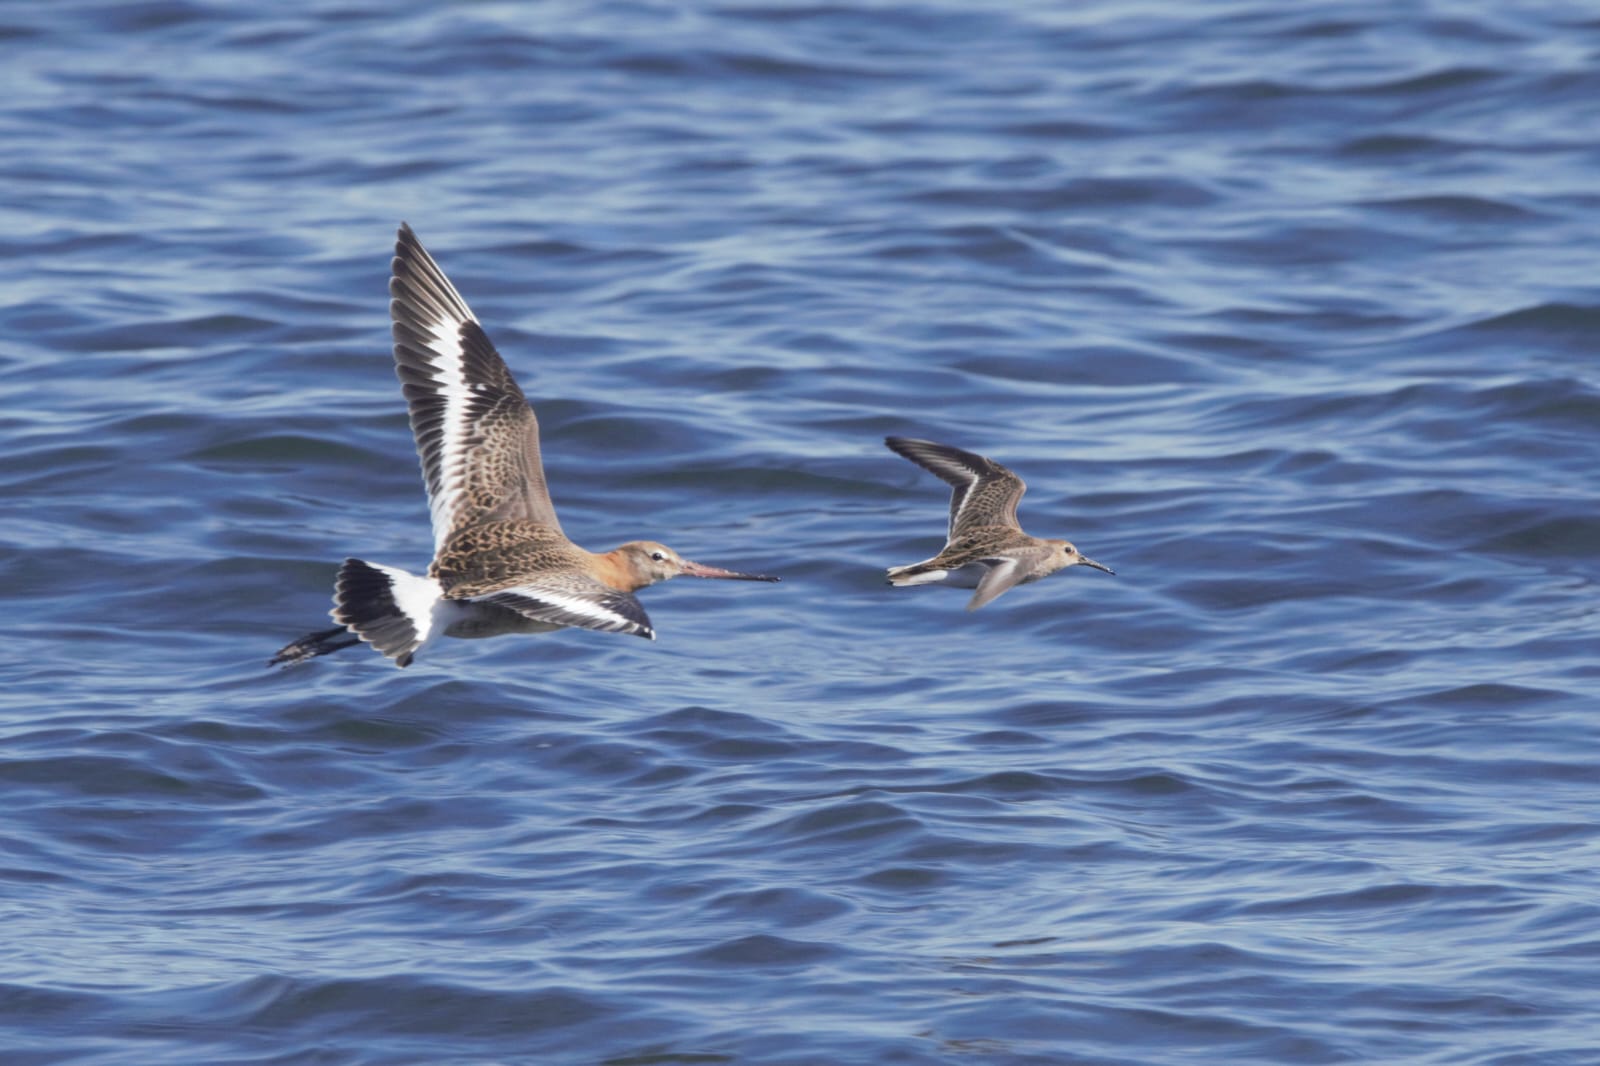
<point>1273,308</point>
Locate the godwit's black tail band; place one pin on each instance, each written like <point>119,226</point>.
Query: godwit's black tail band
<point>367,601</point>
<point>370,603</point>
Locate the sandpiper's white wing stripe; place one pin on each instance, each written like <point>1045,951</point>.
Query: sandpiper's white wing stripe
<point>961,478</point>
<point>965,472</point>
<point>576,600</point>
<point>958,504</point>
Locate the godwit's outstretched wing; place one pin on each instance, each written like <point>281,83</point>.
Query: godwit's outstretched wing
<point>984,493</point>
<point>476,435</point>
<point>574,599</point>
<point>537,572</point>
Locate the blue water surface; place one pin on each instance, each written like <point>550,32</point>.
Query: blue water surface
<point>1288,312</point>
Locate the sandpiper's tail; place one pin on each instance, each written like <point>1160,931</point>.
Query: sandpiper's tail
<point>916,574</point>
<point>388,608</point>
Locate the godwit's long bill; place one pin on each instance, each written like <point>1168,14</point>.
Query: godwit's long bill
<point>986,548</point>
<point>501,563</point>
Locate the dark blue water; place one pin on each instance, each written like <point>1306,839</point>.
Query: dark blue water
<point>1287,312</point>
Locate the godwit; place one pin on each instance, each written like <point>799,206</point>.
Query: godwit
<point>986,548</point>
<point>501,563</point>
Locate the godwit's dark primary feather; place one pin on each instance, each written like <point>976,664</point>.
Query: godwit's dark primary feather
<point>501,562</point>
<point>476,435</point>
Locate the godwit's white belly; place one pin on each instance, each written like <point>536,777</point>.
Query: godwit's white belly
<point>476,621</point>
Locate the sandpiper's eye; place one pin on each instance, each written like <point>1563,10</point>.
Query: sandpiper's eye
<point>659,556</point>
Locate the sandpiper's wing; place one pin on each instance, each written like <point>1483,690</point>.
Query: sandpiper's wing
<point>1006,570</point>
<point>984,492</point>
<point>569,598</point>
<point>476,434</point>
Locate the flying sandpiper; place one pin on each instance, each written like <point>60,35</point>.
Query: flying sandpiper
<point>986,548</point>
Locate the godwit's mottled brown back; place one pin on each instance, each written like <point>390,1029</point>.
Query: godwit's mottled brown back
<point>476,435</point>
<point>491,555</point>
<point>532,569</point>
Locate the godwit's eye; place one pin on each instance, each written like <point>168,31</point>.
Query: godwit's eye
<point>659,557</point>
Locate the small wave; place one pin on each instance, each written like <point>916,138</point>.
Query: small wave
<point>1555,319</point>
<point>1080,194</point>
<point>1458,209</point>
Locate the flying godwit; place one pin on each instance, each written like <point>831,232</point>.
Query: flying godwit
<point>986,548</point>
<point>501,563</point>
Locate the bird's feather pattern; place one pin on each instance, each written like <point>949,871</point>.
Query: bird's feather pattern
<point>572,599</point>
<point>983,493</point>
<point>476,435</point>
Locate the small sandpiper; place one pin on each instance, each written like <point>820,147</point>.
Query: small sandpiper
<point>501,563</point>
<point>986,548</point>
